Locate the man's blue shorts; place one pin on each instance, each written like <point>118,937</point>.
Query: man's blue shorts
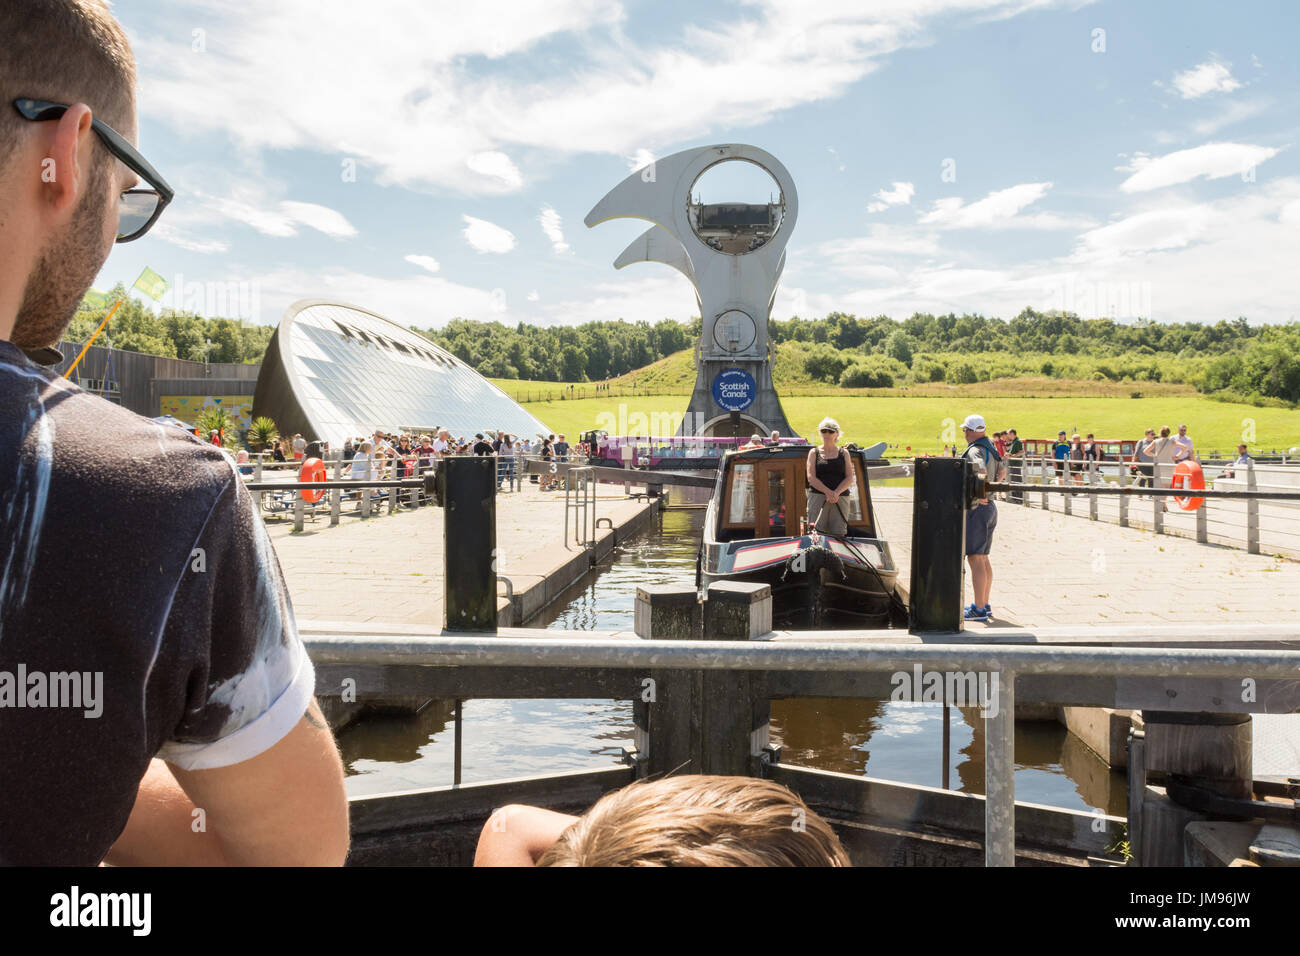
<point>980,522</point>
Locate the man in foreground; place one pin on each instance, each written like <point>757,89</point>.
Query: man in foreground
<point>142,610</point>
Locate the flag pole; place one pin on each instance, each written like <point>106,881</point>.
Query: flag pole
<point>85,348</point>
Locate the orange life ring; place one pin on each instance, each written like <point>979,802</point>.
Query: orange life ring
<point>313,469</point>
<point>1188,474</point>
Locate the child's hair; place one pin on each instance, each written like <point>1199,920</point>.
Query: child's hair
<point>699,821</point>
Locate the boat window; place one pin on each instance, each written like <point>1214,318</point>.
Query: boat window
<point>776,512</point>
<point>852,502</point>
<point>741,508</point>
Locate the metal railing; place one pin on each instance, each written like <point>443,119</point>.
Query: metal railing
<point>1229,517</point>
<point>1005,663</point>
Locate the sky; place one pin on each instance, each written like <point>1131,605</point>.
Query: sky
<point>432,160</point>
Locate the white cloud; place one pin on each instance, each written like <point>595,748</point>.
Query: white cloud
<point>1209,77</point>
<point>1196,262</point>
<point>496,165</point>
<point>642,157</point>
<point>168,232</point>
<point>552,225</point>
<point>484,236</point>
<point>899,194</point>
<point>998,210</point>
<point>1233,112</point>
<point>666,295</point>
<point>1213,161</point>
<point>436,103</point>
<point>279,219</point>
<point>424,262</point>
<point>321,218</point>
<point>533,296</point>
<point>422,300</point>
<point>1167,228</point>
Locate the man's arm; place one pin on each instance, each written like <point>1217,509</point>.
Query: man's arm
<point>284,807</point>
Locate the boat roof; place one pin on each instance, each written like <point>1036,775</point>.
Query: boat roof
<point>782,451</point>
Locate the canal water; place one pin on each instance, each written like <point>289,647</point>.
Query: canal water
<point>884,739</point>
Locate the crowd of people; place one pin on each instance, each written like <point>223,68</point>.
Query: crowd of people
<point>407,455</point>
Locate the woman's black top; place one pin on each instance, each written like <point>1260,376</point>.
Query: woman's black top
<point>830,473</point>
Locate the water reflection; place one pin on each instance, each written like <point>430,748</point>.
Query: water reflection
<point>886,739</point>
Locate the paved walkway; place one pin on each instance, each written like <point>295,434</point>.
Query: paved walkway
<point>1050,568</point>
<point>388,569</point>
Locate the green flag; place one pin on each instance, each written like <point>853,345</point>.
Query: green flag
<point>94,299</point>
<point>151,284</point>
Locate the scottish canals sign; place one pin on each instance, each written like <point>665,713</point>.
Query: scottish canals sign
<point>734,389</point>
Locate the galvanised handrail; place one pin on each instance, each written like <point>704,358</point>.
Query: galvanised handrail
<point>1005,661</point>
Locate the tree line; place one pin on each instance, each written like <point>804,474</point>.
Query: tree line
<point>172,333</point>
<point>1259,363</point>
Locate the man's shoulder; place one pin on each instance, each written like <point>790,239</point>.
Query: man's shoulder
<point>96,443</point>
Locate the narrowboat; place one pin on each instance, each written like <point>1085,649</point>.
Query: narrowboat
<point>756,529</point>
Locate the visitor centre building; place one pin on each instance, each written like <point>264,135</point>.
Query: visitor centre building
<point>335,371</point>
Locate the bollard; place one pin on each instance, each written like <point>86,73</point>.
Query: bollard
<point>467,491</point>
<point>298,506</point>
<point>1205,750</point>
<point>736,714</point>
<point>666,716</point>
<point>365,502</point>
<point>393,492</point>
<point>1092,499</point>
<point>1046,481</point>
<point>938,543</point>
<point>1202,523</point>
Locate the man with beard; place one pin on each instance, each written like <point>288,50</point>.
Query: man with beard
<point>132,560</point>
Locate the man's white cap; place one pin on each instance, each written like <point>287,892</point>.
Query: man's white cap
<point>974,422</point>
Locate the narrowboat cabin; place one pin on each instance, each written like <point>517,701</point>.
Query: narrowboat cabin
<point>756,529</point>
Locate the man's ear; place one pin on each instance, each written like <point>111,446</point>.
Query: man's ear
<point>65,167</point>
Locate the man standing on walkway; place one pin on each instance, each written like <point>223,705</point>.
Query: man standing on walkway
<point>1184,450</point>
<point>980,520</point>
<point>131,556</point>
<point>1015,451</point>
<point>1061,451</point>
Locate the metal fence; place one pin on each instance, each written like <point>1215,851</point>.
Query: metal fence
<point>1257,525</point>
<point>1105,669</point>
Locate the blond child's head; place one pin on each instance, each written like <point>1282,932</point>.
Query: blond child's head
<point>699,821</point>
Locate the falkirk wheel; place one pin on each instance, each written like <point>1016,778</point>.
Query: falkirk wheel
<point>733,253</point>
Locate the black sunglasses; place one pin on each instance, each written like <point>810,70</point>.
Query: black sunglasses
<point>829,431</point>
<point>138,209</point>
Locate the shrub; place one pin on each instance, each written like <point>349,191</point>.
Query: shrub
<point>824,365</point>
<point>964,374</point>
<point>862,376</point>
<point>262,433</point>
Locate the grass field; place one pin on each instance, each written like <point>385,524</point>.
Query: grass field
<point>919,421</point>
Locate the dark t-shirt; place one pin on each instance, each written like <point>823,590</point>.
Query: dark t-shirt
<point>136,575</point>
<point>482,448</point>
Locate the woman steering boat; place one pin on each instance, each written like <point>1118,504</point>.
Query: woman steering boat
<point>829,477</point>
<point>801,521</point>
